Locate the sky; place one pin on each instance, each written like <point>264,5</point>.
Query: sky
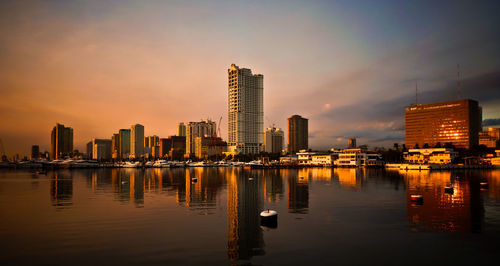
<point>350,67</point>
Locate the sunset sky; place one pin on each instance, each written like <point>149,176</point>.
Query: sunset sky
<point>348,66</point>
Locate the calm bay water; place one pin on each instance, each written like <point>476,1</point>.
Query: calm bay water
<point>326,216</point>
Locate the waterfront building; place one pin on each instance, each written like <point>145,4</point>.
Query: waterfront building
<point>245,110</point>
<point>298,137</point>
<point>323,159</point>
<point>101,149</point>
<point>181,130</point>
<point>490,138</point>
<point>206,147</point>
<point>454,122</point>
<point>124,143</point>
<point>273,140</point>
<point>137,141</point>
<point>61,141</point>
<point>194,130</point>
<point>173,147</point>
<point>430,156</point>
<point>358,157</point>
<point>35,152</point>
<point>351,143</point>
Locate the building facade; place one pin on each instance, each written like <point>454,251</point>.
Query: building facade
<point>273,140</point>
<point>115,146</point>
<point>181,130</point>
<point>61,141</point>
<point>245,110</point>
<point>490,138</point>
<point>194,130</point>
<point>298,134</point>
<point>455,122</point>
<point>101,149</point>
<point>206,147</point>
<point>136,141</point>
<point>431,156</point>
<point>124,143</point>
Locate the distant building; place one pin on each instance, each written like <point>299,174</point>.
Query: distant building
<point>454,122</point>
<point>173,147</point>
<point>150,143</point>
<point>351,143</point>
<point>273,140</point>
<point>61,141</point>
<point>35,152</point>
<point>206,147</point>
<point>124,143</point>
<point>115,146</point>
<point>298,136</point>
<point>101,149</point>
<point>490,138</point>
<point>206,128</point>
<point>137,141</point>
<point>181,130</point>
<point>245,110</point>
<point>90,150</point>
<point>430,156</point>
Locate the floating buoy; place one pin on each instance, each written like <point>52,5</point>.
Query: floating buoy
<point>194,180</point>
<point>301,177</point>
<point>416,198</point>
<point>124,182</point>
<point>484,185</point>
<point>250,178</point>
<point>269,218</point>
<point>448,190</point>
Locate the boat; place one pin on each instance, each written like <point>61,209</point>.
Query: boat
<point>131,164</point>
<point>161,164</point>
<point>148,164</point>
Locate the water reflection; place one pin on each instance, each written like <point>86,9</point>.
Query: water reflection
<point>244,202</point>
<point>61,189</point>
<point>249,191</point>
<point>458,209</point>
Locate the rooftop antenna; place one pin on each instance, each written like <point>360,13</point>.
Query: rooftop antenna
<point>458,82</point>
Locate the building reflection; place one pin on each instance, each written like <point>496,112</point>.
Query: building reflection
<point>298,191</point>
<point>273,185</point>
<point>202,187</point>
<point>61,189</point>
<point>349,178</point>
<point>459,210</point>
<point>244,203</point>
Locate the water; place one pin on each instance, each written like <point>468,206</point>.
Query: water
<point>326,216</point>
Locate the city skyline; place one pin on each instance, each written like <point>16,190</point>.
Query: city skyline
<point>98,67</point>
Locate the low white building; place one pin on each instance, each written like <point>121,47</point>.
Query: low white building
<point>430,156</point>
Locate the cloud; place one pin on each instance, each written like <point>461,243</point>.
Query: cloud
<point>491,122</point>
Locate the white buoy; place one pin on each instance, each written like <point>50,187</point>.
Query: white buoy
<point>250,178</point>
<point>269,218</point>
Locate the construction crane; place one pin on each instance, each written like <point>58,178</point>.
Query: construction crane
<point>214,140</point>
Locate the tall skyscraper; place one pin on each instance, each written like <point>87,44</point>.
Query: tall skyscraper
<point>181,130</point>
<point>124,143</point>
<point>136,141</point>
<point>273,140</point>
<point>455,122</point>
<point>245,110</point>
<point>298,134</point>
<point>206,128</point>
<point>61,141</point>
